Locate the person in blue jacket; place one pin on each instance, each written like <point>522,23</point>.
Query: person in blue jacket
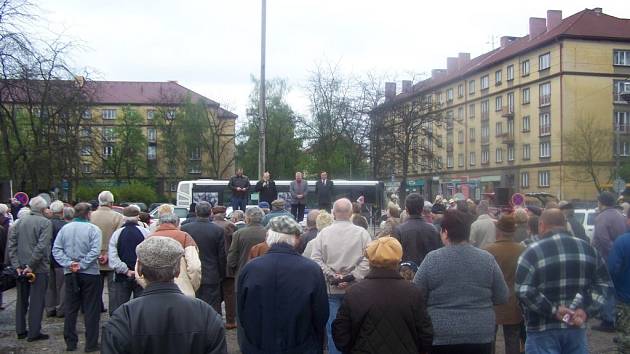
<point>619,269</point>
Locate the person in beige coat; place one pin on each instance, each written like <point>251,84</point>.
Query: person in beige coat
<point>108,221</point>
<point>189,278</point>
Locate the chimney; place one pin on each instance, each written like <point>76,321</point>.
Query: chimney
<point>597,10</point>
<point>390,90</point>
<point>451,64</point>
<point>437,73</point>
<point>537,26</point>
<point>554,17</point>
<point>506,40</point>
<point>463,59</point>
<point>406,86</point>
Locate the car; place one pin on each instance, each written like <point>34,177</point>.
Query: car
<point>587,218</point>
<point>181,212</point>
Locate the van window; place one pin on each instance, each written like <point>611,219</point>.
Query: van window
<point>591,219</point>
<point>579,217</point>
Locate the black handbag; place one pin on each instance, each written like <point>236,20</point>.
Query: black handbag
<point>8,278</point>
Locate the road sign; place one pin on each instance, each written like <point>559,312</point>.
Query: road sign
<point>518,200</point>
<point>22,198</point>
<point>619,185</point>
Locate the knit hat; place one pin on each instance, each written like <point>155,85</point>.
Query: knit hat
<point>384,252</point>
<point>438,208</point>
<point>159,252</point>
<point>131,211</point>
<point>263,205</point>
<point>284,224</point>
<point>219,209</point>
<point>278,204</point>
<point>507,223</point>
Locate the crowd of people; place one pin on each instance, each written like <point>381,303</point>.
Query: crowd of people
<point>435,278</point>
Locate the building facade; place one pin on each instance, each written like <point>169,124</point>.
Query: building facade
<point>509,113</point>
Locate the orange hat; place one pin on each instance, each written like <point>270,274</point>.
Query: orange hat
<point>384,252</point>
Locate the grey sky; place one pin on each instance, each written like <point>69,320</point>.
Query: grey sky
<point>212,47</point>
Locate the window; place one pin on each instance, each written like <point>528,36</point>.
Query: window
<point>525,95</point>
<point>449,95</point>
<point>460,90</point>
<point>510,102</point>
<point>438,98</point>
<point>510,127</point>
<point>449,120</point>
<point>460,160</point>
<point>619,87</point>
<point>544,61</point>
<point>150,114</point>
<point>622,122</point>
<point>526,125</point>
<point>510,153</point>
<point>543,178</point>
<point>109,114</point>
<point>194,168</point>
<point>87,114</point>
<point>151,152</point>
<point>545,94</point>
<point>623,149</point>
<point>151,135</point>
<point>471,158</point>
<point>510,73</point>
<point>498,103</point>
<point>499,156</point>
<point>85,132</point>
<point>524,179</point>
<point>86,150</point>
<point>498,128</point>
<point>525,68</point>
<point>484,82</point>
<point>460,113</point>
<point>497,77</point>
<point>460,137</point>
<point>471,110</point>
<point>545,150</point>
<point>527,154</point>
<point>485,133</point>
<point>173,187</point>
<point>109,134</point>
<point>108,151</point>
<point>170,114</point>
<point>471,87</point>
<point>195,154</point>
<point>86,168</point>
<point>485,155</point>
<point>449,160</point>
<point>471,133</point>
<point>545,124</point>
<point>621,57</point>
<point>485,108</point>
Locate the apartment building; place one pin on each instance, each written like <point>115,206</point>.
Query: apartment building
<point>508,111</point>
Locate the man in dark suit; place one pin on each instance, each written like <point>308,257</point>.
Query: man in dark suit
<point>266,188</point>
<point>210,240</point>
<point>324,191</point>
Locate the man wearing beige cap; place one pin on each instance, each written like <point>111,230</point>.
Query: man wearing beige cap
<point>386,303</point>
<point>163,319</point>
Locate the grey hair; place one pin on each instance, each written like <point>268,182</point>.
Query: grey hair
<point>68,213</point>
<point>203,209</point>
<point>3,208</point>
<point>311,218</point>
<point>38,203</point>
<point>165,274</point>
<point>169,219</point>
<point>105,198</point>
<point>56,207</point>
<point>274,237</point>
<point>342,209</point>
<point>483,207</point>
<point>24,211</point>
<point>238,215</point>
<point>254,215</point>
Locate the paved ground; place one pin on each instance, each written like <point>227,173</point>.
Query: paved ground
<point>599,342</point>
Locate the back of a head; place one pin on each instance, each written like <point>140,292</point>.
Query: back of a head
<point>193,207</point>
<point>3,209</point>
<point>105,198</point>
<point>457,225</point>
<point>171,218</point>
<point>323,219</point>
<point>311,218</point>
<point>254,215</point>
<point>483,207</point>
<point>203,209</point>
<point>552,218</point>
<point>520,216</point>
<point>68,213</point>
<point>414,204</point>
<point>393,211</point>
<point>165,209</point>
<point>342,209</point>
<point>606,199</point>
<point>57,207</point>
<point>82,210</point>
<point>360,220</point>
<point>356,208</point>
<point>38,204</point>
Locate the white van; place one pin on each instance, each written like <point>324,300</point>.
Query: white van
<point>587,218</point>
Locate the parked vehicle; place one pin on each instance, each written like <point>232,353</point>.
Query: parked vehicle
<point>180,211</point>
<point>587,218</point>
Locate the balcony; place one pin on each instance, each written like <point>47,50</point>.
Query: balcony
<point>507,138</point>
<point>507,112</point>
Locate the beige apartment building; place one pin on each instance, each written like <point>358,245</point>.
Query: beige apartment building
<point>508,112</point>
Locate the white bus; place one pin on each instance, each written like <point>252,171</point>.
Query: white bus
<point>216,193</point>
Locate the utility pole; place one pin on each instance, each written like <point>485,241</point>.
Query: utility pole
<point>262,130</point>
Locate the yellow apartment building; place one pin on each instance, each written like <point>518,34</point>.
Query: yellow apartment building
<point>508,112</point>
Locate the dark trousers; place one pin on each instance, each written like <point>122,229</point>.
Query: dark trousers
<point>298,211</point>
<point>111,292</point>
<point>227,288</point>
<point>469,348</point>
<point>56,291</point>
<point>31,298</point>
<point>512,338</point>
<point>211,295</point>
<point>239,203</point>
<point>123,289</point>
<point>82,292</point>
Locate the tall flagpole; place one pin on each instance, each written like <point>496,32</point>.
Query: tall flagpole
<point>262,131</point>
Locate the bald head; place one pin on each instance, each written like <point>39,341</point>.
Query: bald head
<point>551,219</point>
<point>342,209</point>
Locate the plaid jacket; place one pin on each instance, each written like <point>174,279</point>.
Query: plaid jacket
<point>549,274</point>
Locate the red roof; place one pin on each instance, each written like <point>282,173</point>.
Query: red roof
<point>587,24</point>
